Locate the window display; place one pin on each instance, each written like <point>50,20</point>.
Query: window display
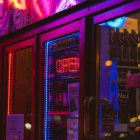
<point>119,81</point>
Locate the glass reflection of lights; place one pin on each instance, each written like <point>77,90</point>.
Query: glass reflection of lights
<point>117,23</point>
<point>27,126</point>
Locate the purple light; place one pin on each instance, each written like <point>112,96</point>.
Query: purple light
<point>65,4</point>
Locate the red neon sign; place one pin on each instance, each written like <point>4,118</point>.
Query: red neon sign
<point>67,65</point>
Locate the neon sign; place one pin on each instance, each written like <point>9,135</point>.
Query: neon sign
<point>117,23</point>
<point>64,4</point>
<point>67,65</point>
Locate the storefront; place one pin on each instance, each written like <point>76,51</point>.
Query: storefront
<point>72,74</point>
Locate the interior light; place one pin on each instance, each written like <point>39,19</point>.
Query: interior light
<point>137,128</point>
<point>108,63</point>
<point>133,119</point>
<point>57,118</point>
<point>139,117</point>
<point>123,135</point>
<point>27,126</point>
<point>117,23</point>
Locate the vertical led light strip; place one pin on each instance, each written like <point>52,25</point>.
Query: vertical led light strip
<point>10,82</point>
<point>46,92</point>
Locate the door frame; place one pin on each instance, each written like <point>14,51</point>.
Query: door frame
<point>30,42</point>
<point>77,26</point>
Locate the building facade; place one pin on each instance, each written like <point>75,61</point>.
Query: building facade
<point>70,70</point>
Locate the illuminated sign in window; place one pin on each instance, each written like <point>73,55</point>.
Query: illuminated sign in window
<point>67,65</point>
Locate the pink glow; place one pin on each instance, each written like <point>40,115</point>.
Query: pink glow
<point>59,113</point>
<point>47,6</point>
<point>37,9</point>
<point>65,4</point>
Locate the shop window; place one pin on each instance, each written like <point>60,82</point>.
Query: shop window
<point>120,78</point>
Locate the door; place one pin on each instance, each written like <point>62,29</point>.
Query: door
<point>117,46</point>
<point>18,90</point>
<point>62,66</point>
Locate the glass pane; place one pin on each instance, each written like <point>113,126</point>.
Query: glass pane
<point>62,88</point>
<point>120,78</point>
<point>19,88</point>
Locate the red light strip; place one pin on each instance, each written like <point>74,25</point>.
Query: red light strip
<point>9,73</point>
<point>10,82</point>
<point>59,113</point>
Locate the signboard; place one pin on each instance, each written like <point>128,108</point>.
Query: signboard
<point>73,97</point>
<point>15,127</point>
<point>72,129</point>
<point>67,63</point>
<point>107,118</point>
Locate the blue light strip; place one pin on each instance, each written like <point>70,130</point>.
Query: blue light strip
<point>46,91</point>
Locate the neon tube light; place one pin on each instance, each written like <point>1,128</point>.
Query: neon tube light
<point>117,23</point>
<point>18,5</point>
<point>37,9</point>
<point>10,83</point>
<point>67,65</point>
<point>46,92</point>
